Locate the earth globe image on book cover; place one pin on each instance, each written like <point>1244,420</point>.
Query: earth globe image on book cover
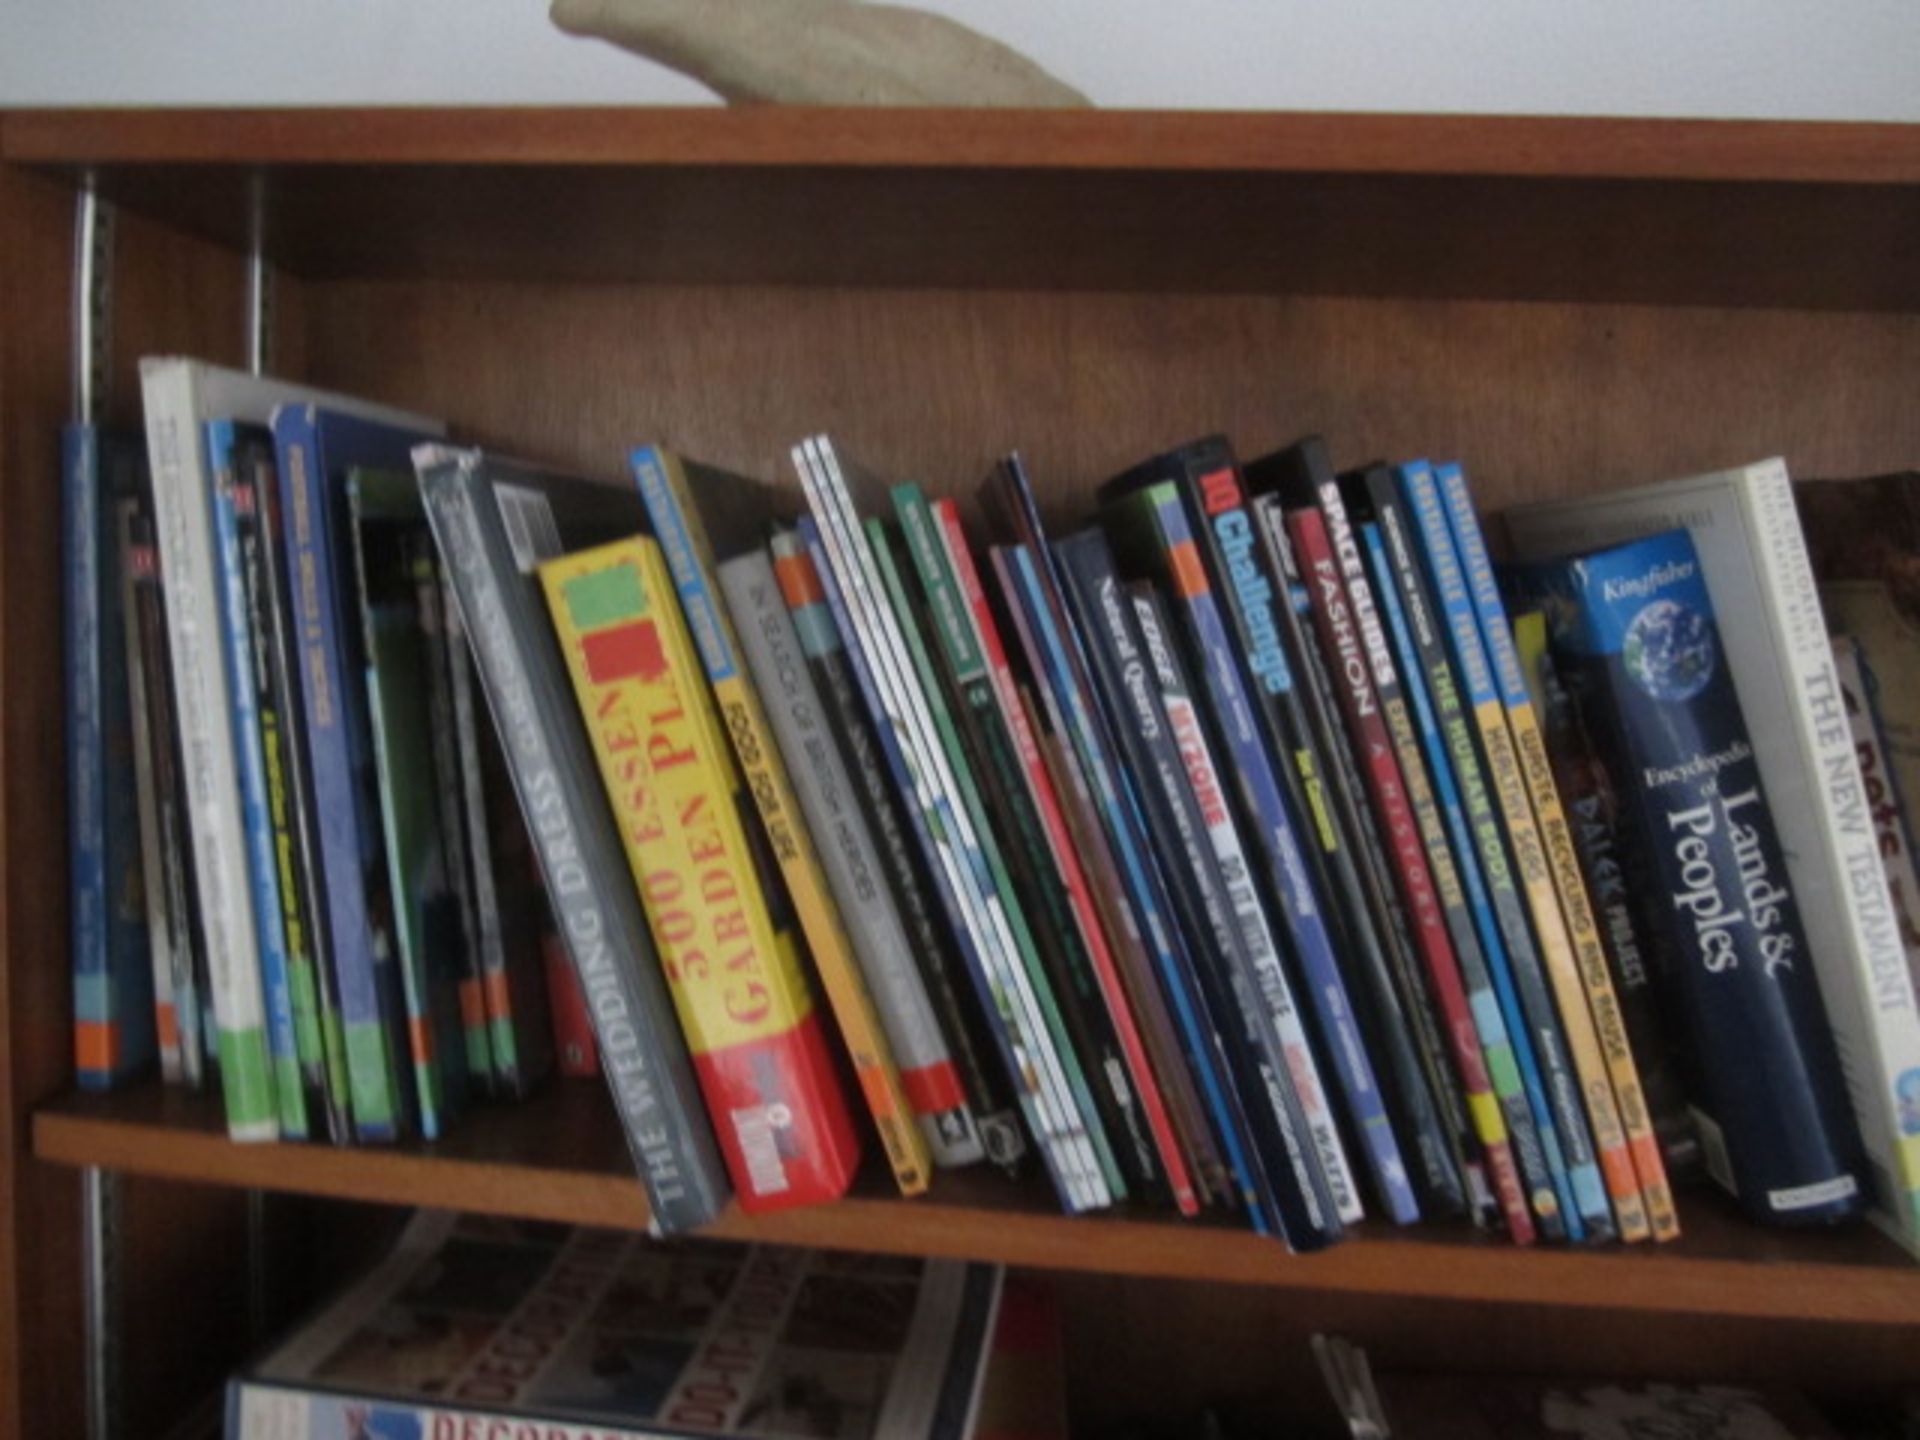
<point>1669,651</point>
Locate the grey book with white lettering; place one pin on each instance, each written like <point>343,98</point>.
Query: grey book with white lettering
<point>493,522</point>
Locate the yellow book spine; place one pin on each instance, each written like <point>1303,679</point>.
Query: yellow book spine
<point>735,978</point>
<point>907,1151</point>
<point>1591,958</point>
<point>1556,954</point>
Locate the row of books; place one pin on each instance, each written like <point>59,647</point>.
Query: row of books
<point>1234,851</point>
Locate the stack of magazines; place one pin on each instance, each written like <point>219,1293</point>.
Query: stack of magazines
<point>1249,846</point>
<point>479,1327</point>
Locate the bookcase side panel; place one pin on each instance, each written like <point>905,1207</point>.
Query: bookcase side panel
<point>40,1389</point>
<point>179,1333</point>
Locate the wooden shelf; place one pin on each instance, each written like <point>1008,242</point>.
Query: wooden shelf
<point>1695,212</point>
<point>559,1157</point>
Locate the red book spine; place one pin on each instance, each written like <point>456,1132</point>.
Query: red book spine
<point>1342,633</point>
<point>1079,893</point>
<point>573,1049</point>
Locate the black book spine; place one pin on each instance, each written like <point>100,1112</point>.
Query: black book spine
<point>449,811</point>
<point>1407,1024</point>
<point>1289,1179</point>
<point>510,912</point>
<point>170,798</point>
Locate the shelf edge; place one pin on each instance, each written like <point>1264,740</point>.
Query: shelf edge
<point>1392,1266</point>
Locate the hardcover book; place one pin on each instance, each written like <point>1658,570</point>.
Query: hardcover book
<point>720,925</point>
<point>1646,664</point>
<point>1746,531</point>
<point>478,1327</point>
<point>701,514</point>
<point>493,523</point>
<point>116,1030</point>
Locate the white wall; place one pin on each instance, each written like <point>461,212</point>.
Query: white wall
<point>1810,59</point>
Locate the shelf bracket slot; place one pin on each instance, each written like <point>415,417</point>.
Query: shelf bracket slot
<point>259,317</point>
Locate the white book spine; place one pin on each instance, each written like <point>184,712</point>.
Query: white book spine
<point>1870,1002</point>
<point>184,523</point>
<point>840,533</point>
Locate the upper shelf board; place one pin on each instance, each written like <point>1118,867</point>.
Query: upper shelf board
<point>1505,208</point>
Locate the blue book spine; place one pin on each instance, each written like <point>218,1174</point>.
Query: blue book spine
<point>1301,908</point>
<point>114,1024</point>
<point>1498,1013</point>
<point>327,707</point>
<point>1474,671</point>
<point>1647,666</point>
<point>1119,810</point>
<point>1019,1065</point>
<point>244,722</point>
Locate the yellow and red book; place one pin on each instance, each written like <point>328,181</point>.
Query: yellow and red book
<point>712,898</point>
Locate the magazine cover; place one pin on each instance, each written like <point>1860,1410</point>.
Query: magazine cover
<point>482,1322</point>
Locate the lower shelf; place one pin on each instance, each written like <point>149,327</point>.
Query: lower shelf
<point>560,1157</point>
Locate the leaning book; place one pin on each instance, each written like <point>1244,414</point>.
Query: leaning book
<point>494,522</point>
<point>478,1326</point>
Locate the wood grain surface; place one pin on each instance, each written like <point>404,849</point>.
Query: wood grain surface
<point>559,1157</point>
<point>1219,141</point>
<point>1814,215</point>
<point>1563,304</point>
<point>933,385</point>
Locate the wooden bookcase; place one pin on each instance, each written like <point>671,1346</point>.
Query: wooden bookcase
<point>1564,303</point>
